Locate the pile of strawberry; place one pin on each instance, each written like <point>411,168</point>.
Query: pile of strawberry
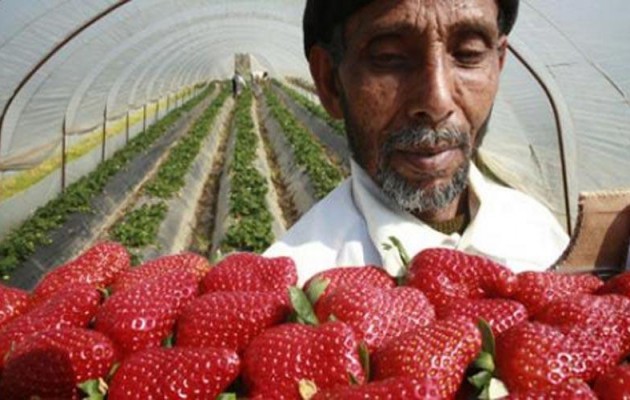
<point>456,326</point>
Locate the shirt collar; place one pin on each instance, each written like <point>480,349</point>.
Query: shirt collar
<point>385,219</point>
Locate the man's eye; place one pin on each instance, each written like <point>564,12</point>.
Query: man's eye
<point>469,57</point>
<point>388,60</point>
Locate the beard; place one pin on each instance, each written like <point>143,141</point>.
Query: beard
<point>407,196</point>
<point>410,197</point>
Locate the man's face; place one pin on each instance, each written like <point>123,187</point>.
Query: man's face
<point>416,82</point>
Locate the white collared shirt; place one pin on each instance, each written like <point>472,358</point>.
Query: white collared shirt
<point>350,225</point>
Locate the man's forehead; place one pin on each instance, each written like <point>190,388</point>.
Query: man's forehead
<point>396,15</point>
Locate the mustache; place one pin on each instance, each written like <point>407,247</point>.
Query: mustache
<point>418,137</point>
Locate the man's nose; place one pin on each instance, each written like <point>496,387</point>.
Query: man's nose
<point>431,100</point>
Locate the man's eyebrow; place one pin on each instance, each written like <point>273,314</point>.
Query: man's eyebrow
<point>389,29</point>
<point>475,27</point>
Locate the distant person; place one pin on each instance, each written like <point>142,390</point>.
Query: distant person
<point>414,81</point>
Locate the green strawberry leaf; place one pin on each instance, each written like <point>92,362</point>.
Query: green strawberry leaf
<point>307,389</point>
<point>352,379</point>
<point>302,306</point>
<point>316,288</point>
<point>485,362</point>
<point>95,389</point>
<point>364,356</point>
<point>226,396</point>
<point>395,244</point>
<point>169,341</point>
<point>487,337</point>
<point>480,380</point>
<point>106,292</point>
<point>494,391</point>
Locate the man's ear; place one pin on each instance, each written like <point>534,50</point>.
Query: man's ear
<point>503,49</point>
<point>323,72</point>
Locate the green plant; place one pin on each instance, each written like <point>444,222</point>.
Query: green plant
<point>34,232</point>
<point>140,227</point>
<point>251,227</point>
<point>307,151</point>
<point>313,108</point>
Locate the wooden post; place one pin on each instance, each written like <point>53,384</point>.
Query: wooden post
<point>127,128</point>
<point>63,154</point>
<point>104,134</point>
<point>144,118</point>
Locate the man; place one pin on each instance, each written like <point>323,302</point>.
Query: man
<point>415,81</point>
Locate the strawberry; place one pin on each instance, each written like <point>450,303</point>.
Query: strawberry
<point>538,356</point>
<point>377,315</point>
<point>403,388</point>
<point>98,267</point>
<point>74,306</point>
<point>175,373</point>
<point>144,315</point>
<point>572,390</point>
<point>440,351</point>
<point>500,314</point>
<point>191,262</point>
<point>619,284</point>
<point>250,272</point>
<point>13,302</point>
<point>614,384</point>
<point>446,275</point>
<point>230,320</point>
<point>606,314</point>
<point>537,289</point>
<point>50,364</point>
<point>277,360</point>
<point>325,282</point>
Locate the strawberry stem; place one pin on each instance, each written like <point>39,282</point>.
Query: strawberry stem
<point>395,244</point>
<point>364,357</point>
<point>95,389</point>
<point>316,289</point>
<point>302,306</point>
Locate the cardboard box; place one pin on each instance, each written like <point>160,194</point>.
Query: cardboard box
<point>600,243</point>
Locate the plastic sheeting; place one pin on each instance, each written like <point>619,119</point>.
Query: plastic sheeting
<point>559,125</point>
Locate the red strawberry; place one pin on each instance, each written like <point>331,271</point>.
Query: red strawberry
<point>377,315</point>
<point>606,314</point>
<point>13,302</point>
<point>250,272</point>
<point>50,364</point>
<point>142,316</point>
<point>402,388</point>
<point>537,289</point>
<point>278,359</point>
<point>446,275</point>
<point>230,320</point>
<point>615,384</point>
<point>327,281</point>
<point>441,351</point>
<point>175,373</point>
<point>572,390</point>
<point>619,284</point>
<point>537,356</point>
<point>75,306</point>
<point>191,262</point>
<point>97,267</point>
<point>500,314</point>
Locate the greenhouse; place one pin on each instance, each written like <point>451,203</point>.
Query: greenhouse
<point>124,121</point>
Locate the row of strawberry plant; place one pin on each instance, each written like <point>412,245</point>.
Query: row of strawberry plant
<point>302,83</point>
<point>170,178</point>
<point>250,229</point>
<point>315,109</point>
<point>307,151</point>
<point>140,227</point>
<point>34,232</point>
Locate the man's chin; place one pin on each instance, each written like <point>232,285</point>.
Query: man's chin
<point>423,194</point>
